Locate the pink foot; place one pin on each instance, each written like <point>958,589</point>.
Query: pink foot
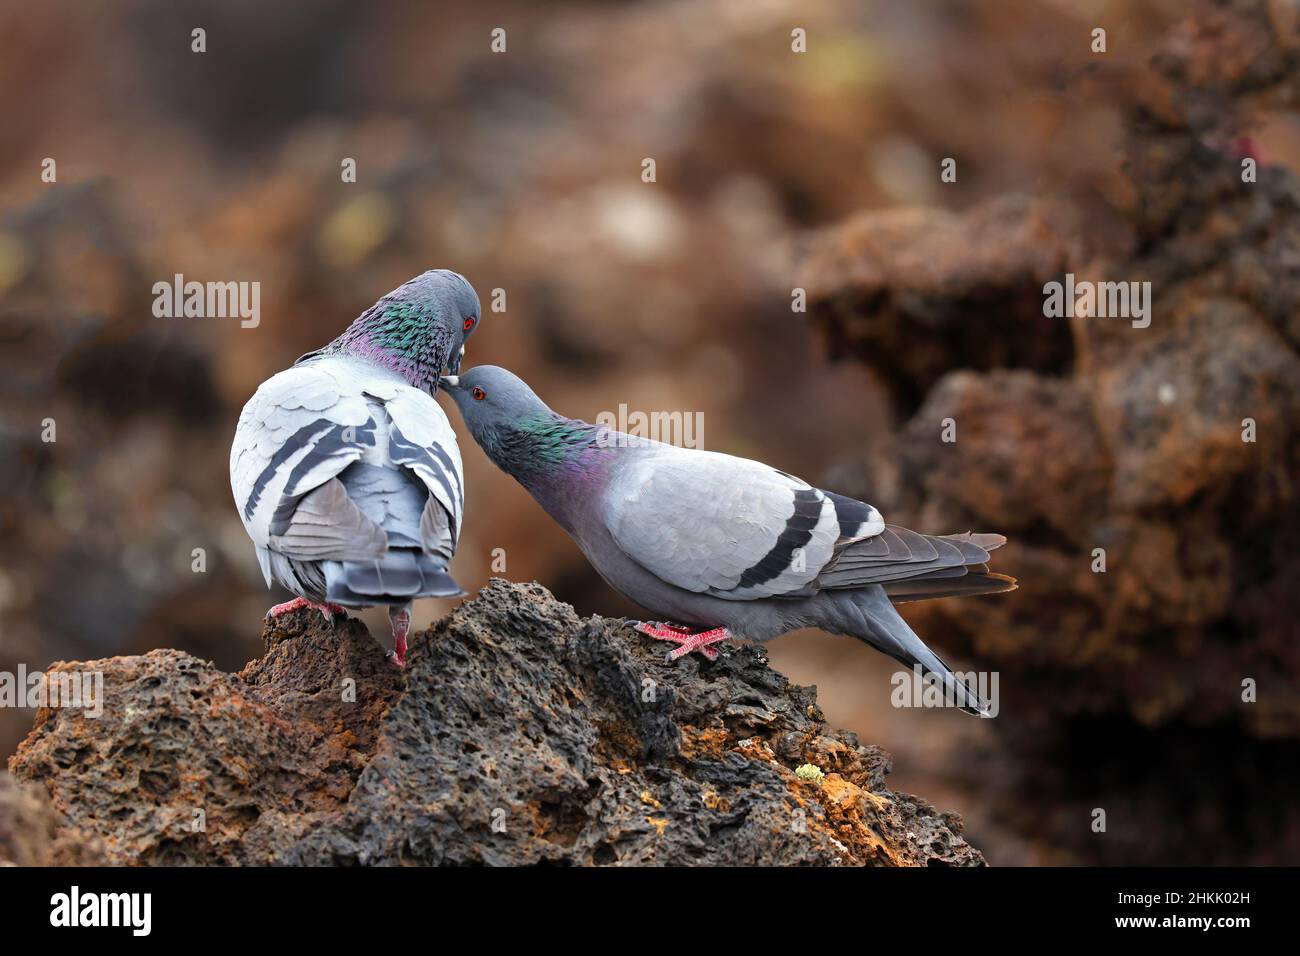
<point>688,642</point>
<point>327,610</point>
<point>401,622</point>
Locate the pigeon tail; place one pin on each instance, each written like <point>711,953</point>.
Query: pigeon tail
<point>397,578</point>
<point>884,629</point>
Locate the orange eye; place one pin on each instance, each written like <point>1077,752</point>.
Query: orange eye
<point>478,393</point>
<point>469,323</point>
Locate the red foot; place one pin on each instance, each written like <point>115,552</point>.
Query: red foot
<point>327,610</point>
<point>701,642</point>
<point>401,622</point>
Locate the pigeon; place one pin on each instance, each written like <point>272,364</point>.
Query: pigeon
<point>723,546</point>
<point>345,469</point>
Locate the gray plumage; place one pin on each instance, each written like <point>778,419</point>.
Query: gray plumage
<point>713,540</point>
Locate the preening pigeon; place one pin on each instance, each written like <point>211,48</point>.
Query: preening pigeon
<point>731,546</point>
<point>345,469</point>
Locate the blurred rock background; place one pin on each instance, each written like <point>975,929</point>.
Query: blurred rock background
<point>774,170</point>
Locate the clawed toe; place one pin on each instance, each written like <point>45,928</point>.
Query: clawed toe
<point>702,642</point>
<point>710,653</point>
<point>327,610</point>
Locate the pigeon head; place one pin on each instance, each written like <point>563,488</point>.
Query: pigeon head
<point>493,399</point>
<point>514,427</point>
<point>418,329</point>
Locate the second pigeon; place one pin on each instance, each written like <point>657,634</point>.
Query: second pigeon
<point>733,547</point>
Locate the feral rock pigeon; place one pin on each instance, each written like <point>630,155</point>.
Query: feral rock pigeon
<point>732,547</point>
<point>345,469</point>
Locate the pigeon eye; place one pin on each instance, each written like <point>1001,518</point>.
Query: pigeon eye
<point>469,323</point>
<point>478,393</point>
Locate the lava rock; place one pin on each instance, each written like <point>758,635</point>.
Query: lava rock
<point>1147,485</point>
<point>903,290</point>
<point>518,733</point>
<point>30,834</point>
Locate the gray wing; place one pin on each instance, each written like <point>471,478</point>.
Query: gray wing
<point>327,525</point>
<point>334,462</point>
<point>295,436</point>
<point>420,440</point>
<point>740,530</point>
<point>725,526</point>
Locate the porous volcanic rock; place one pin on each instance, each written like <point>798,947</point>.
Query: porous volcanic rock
<point>30,834</point>
<point>518,733</point>
<point>903,290</point>
<point>1169,443</point>
<point>1147,486</point>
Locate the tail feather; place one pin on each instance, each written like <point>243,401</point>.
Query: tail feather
<point>917,567</point>
<point>927,588</point>
<point>898,553</point>
<point>400,576</point>
<point>986,540</point>
<point>888,632</point>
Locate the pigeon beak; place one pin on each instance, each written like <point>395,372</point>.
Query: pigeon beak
<point>454,365</point>
<point>449,381</point>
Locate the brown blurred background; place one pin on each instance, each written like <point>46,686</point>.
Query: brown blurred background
<point>775,170</point>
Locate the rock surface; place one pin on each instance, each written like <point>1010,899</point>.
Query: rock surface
<point>1168,450</point>
<point>905,289</point>
<point>1173,446</point>
<point>30,834</point>
<point>519,733</point>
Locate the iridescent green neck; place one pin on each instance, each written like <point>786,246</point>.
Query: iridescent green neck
<point>540,448</point>
<point>410,338</point>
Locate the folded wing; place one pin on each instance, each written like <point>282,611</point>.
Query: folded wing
<point>730,527</point>
<point>741,530</point>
